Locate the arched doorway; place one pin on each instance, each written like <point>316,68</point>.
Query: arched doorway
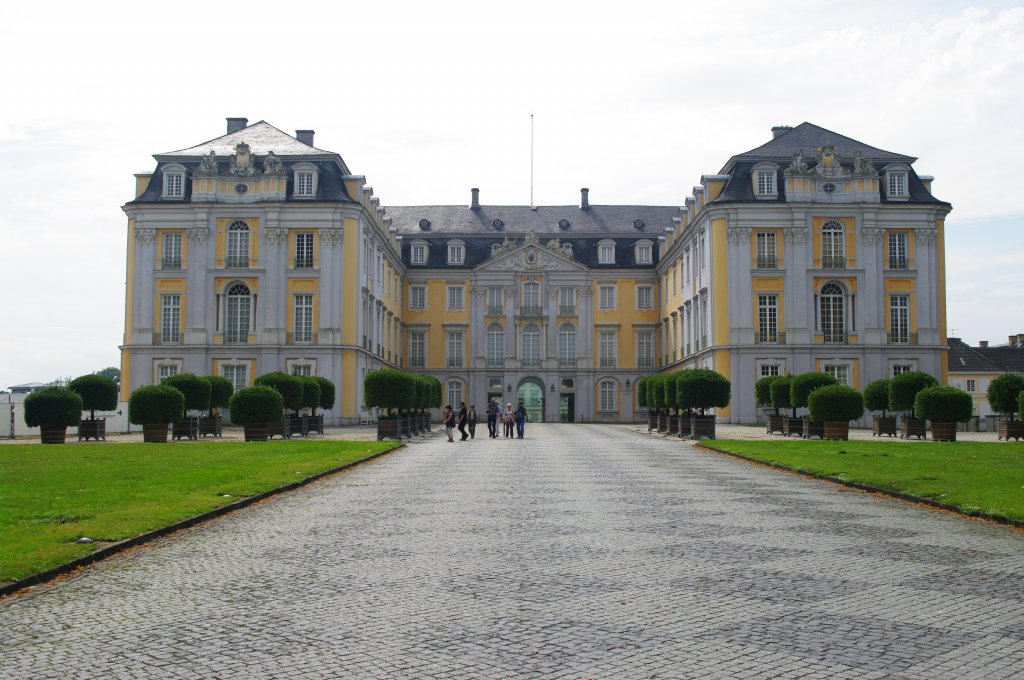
<point>531,393</point>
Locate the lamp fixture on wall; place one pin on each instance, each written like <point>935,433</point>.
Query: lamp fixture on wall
<point>510,387</point>
<point>627,383</point>
<point>552,387</point>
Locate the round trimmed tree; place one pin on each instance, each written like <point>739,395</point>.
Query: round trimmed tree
<point>904,387</point>
<point>641,391</point>
<point>702,388</point>
<point>310,392</point>
<point>256,405</point>
<point>763,392</point>
<point>156,405</point>
<point>221,390</point>
<point>780,390</point>
<point>98,393</point>
<point>805,383</point>
<point>196,388</point>
<point>1004,393</point>
<point>389,389</point>
<point>289,387</point>
<point>53,407</point>
<point>835,403</point>
<point>944,405</point>
<point>876,396</point>
<point>328,392</point>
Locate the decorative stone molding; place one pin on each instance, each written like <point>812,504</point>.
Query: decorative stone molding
<point>794,234</point>
<point>738,234</point>
<point>478,291</point>
<point>197,236</point>
<point>585,291</point>
<point>872,235</point>
<point>509,291</point>
<point>275,235</point>
<point>928,237</point>
<point>331,236</point>
<point>145,236</point>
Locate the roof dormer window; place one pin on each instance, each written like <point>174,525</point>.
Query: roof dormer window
<point>456,252</point>
<point>764,183</point>
<point>897,188</point>
<point>305,180</point>
<point>174,182</point>
<point>606,252</point>
<point>643,250</point>
<point>418,253</point>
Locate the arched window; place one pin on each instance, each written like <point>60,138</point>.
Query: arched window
<point>831,308</point>
<point>531,346</point>
<point>833,245</point>
<point>238,314</point>
<point>454,392</point>
<point>567,345</point>
<point>531,297</point>
<point>495,345</point>
<point>238,245</point>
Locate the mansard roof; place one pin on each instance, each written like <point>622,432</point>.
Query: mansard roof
<point>806,138</point>
<point>262,137</point>
<point>613,220</point>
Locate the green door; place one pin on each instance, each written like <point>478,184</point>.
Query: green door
<point>532,397</point>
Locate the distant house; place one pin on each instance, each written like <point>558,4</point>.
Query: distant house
<point>973,368</point>
<point>27,388</point>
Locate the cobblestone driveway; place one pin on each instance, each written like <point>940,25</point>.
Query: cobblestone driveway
<point>583,551</point>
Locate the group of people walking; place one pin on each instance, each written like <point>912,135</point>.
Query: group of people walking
<point>467,418</point>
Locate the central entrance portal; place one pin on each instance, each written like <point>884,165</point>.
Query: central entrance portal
<point>531,393</point>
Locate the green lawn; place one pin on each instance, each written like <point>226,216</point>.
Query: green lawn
<point>976,477</point>
<point>52,495</point>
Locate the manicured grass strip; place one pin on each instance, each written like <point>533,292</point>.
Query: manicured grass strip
<point>52,495</point>
<point>976,478</point>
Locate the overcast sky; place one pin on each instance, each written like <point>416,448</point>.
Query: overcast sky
<point>428,99</point>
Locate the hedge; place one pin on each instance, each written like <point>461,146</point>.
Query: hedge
<point>876,396</point>
<point>154,404</point>
<point>98,393</point>
<point>256,404</point>
<point>197,390</point>
<point>53,407</point>
<point>805,383</point>
<point>944,405</point>
<point>290,387</point>
<point>904,387</point>
<point>835,403</point>
<point>1004,392</point>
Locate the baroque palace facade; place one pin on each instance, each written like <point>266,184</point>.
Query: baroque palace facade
<point>257,251</point>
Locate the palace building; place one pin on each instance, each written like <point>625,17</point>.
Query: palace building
<point>257,251</point>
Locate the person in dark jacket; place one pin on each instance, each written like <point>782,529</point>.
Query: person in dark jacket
<point>492,418</point>
<point>463,416</point>
<point>521,419</point>
<point>472,419</point>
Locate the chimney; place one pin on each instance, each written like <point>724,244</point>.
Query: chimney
<point>1017,339</point>
<point>983,343</point>
<point>780,130</point>
<point>236,124</point>
<point>584,198</point>
<point>474,202</point>
<point>305,136</point>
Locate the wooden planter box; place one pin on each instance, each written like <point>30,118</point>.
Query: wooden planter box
<point>776,424</point>
<point>884,425</point>
<point>315,423</point>
<point>278,429</point>
<point>298,425</point>
<point>685,426</point>
<point>702,427</point>
<point>835,429</point>
<point>673,424</point>
<point>155,432</point>
<point>652,421</point>
<point>92,429</point>
<point>813,428</point>
<point>210,426</point>
<point>662,422</point>
<point>406,426</point>
<point>52,434</point>
<point>255,432</point>
<point>188,428</point>
<point>1011,429</point>
<point>912,427</point>
<point>388,428</point>
<point>943,432</point>
<point>793,426</point>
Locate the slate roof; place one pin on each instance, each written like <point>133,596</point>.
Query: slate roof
<point>966,359</point>
<point>807,137</point>
<point>520,219</point>
<point>261,137</point>
<point>478,251</point>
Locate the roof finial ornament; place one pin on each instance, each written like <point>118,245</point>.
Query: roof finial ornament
<point>799,165</point>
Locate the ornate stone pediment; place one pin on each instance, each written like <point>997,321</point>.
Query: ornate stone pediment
<point>242,162</point>
<point>529,257</point>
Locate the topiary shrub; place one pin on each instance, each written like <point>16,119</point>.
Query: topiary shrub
<point>656,391</point>
<point>876,396</point>
<point>389,389</point>
<point>702,388</point>
<point>53,407</point>
<point>221,390</point>
<point>310,392</point>
<point>641,391</point>
<point>98,393</point>
<point>835,403</point>
<point>904,387</point>
<point>1004,393</point>
<point>944,405</point>
<point>671,386</point>
<point>155,404</point>
<point>805,383</point>
<point>781,393</point>
<point>763,391</point>
<point>289,386</point>
<point>328,392</point>
<point>196,388</point>
<point>255,405</point>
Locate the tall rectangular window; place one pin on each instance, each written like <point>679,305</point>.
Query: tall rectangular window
<point>768,318</point>
<point>645,349</point>
<point>303,318</point>
<point>530,337</point>
<point>606,400</point>
<point>304,250</point>
<point>643,254</point>
<point>237,374</point>
<point>899,318</point>
<point>495,301</point>
<point>455,298</point>
<point>606,349</point>
<point>454,393</point>
<point>170,319</point>
<point>172,252</point>
<point>303,184</point>
<point>417,349</point>
<point>174,185</point>
<point>567,345</point>
<point>495,345</point>
<point>455,253</point>
<point>454,349</point>
<point>606,254</point>
<point>766,250</point>
<point>417,297</point>
<point>898,250</point>
<point>567,301</point>
<point>897,184</point>
<point>840,372</point>
<point>644,297</point>
<point>607,297</point>
<point>765,183</point>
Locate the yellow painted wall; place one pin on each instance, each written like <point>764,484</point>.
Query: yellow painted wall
<point>142,181</point>
<point>940,246</point>
<point>723,365</point>
<point>720,274</point>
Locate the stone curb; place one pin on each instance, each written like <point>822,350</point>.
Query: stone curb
<point>121,546</point>
<point>998,519</point>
